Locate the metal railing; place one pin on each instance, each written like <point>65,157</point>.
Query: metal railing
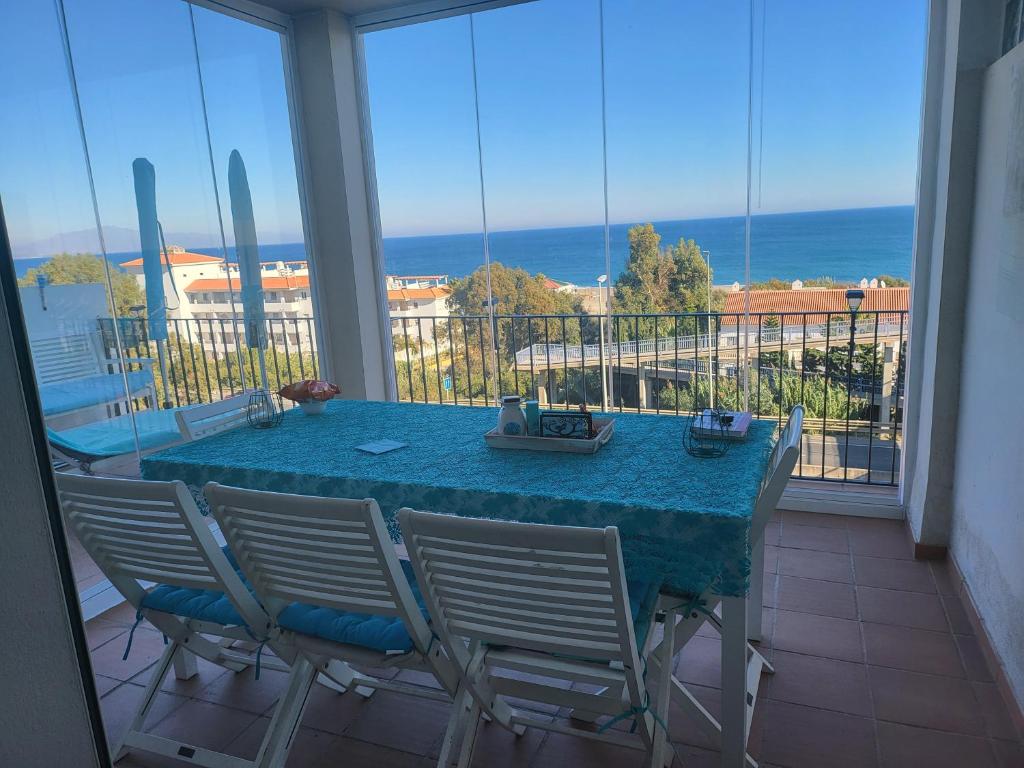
<point>207,359</point>
<point>660,364</point>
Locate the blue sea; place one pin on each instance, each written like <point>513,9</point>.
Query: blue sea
<point>845,244</point>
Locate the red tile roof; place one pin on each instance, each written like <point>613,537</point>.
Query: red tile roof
<point>814,300</point>
<point>178,258</point>
<point>290,283</point>
<point>405,294</point>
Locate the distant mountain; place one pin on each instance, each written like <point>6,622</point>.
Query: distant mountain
<point>125,240</point>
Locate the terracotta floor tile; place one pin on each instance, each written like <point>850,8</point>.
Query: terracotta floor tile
<point>772,533</point>
<point>769,590</point>
<point>497,747</point>
<point>906,609</point>
<point>901,746</point>
<point>812,681</point>
<point>1009,754</point>
<point>929,701</point>
<point>957,615</point>
<point>815,537</point>
<point>694,757</point>
<point>402,722</point>
<point>308,746</point>
<point>809,564</point>
<point>793,517</point>
<point>998,723</point>
<point>104,684</point>
<point>147,647</point>
<point>771,559</point>
<point>946,580</point>
<point>119,706</point>
<point>806,737</point>
<point>202,724</point>
<point>241,690</point>
<point>913,650</point>
<point>888,542</point>
<point>98,632</point>
<point>351,753</point>
<point>818,636</point>
<point>207,673</point>
<point>893,573</point>
<point>824,598</point>
<point>333,712</point>
<point>973,658</point>
<point>560,750</point>
<point>700,661</point>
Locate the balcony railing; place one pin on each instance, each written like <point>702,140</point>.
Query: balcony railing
<point>660,364</point>
<point>207,359</point>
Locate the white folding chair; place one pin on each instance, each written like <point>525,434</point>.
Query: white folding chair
<point>548,601</point>
<point>142,532</point>
<point>211,418</point>
<point>333,585</point>
<point>780,466</point>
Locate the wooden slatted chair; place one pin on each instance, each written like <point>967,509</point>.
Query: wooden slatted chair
<point>333,585</point>
<point>548,601</point>
<point>152,543</point>
<point>212,418</point>
<point>780,466</point>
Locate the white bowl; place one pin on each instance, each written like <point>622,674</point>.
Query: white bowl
<point>313,407</point>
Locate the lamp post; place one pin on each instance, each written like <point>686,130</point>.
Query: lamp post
<point>711,382</point>
<point>854,297</point>
<point>601,279</point>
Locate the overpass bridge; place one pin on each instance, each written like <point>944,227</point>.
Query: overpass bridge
<point>727,343</point>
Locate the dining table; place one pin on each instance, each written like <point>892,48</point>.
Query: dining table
<point>683,520</point>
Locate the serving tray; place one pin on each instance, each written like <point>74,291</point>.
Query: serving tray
<point>604,427</point>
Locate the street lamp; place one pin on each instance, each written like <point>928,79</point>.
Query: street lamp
<point>854,297</point>
<point>711,384</point>
<point>601,279</point>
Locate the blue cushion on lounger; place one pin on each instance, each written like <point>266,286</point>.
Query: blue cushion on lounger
<point>114,437</point>
<point>98,389</point>
<point>200,604</point>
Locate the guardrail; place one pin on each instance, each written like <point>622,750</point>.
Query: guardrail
<point>670,364</point>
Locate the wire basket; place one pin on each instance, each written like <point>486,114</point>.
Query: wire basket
<point>265,410</point>
<point>706,433</point>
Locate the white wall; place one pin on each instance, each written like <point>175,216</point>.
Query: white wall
<point>68,309</point>
<point>987,537</point>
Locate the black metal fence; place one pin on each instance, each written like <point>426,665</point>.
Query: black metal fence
<point>847,370</point>
<point>205,360</point>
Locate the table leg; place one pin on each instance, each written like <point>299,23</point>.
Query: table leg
<point>755,598</point>
<point>734,681</point>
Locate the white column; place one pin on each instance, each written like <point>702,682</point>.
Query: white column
<point>347,284</point>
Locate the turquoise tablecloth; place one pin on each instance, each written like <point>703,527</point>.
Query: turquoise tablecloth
<point>682,519</point>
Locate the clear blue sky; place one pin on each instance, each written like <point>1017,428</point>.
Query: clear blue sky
<point>842,82</point>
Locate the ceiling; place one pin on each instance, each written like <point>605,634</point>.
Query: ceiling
<point>350,7</point>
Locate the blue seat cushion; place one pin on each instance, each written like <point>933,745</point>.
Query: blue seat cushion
<point>200,604</point>
<point>379,633</point>
<point>97,389</point>
<point>388,633</point>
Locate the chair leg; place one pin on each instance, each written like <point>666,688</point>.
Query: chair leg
<point>658,749</point>
<point>287,715</point>
<point>185,666</point>
<point>469,740</point>
<point>345,679</point>
<point>461,707</point>
<point>152,688</point>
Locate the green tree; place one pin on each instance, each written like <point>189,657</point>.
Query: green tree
<point>71,268</point>
<point>772,284</point>
<point>893,282</point>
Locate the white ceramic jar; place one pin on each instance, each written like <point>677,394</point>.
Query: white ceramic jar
<point>511,419</point>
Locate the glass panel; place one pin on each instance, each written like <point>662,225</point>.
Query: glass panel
<point>836,130</point>
<point>145,126</point>
<point>247,107</point>
<point>539,86</point>
<point>677,90</point>
<point>420,81</point>
<point>64,291</point>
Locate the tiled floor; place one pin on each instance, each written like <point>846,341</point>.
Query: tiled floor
<point>876,665</point>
